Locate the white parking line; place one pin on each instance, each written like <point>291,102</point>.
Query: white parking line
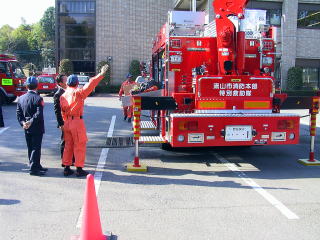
<point>271,199</point>
<point>100,166</point>
<point>3,130</point>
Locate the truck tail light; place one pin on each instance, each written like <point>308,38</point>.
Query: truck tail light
<point>175,43</point>
<point>188,125</point>
<point>286,124</point>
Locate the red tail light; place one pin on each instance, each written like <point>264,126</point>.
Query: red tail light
<point>191,125</point>
<point>285,124</point>
<point>175,43</point>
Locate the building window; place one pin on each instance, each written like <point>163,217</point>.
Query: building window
<point>310,72</point>
<point>309,16</point>
<point>77,7</point>
<point>76,32</point>
<point>274,10</point>
<point>274,17</point>
<point>310,78</point>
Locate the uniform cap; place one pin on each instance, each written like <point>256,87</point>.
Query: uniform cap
<point>31,81</point>
<point>72,80</point>
<point>129,75</point>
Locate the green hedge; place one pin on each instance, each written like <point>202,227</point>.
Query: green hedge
<point>294,81</point>
<point>108,89</point>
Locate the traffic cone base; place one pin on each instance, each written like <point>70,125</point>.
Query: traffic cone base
<point>91,224</point>
<point>78,237</point>
<point>307,162</point>
<point>131,168</point>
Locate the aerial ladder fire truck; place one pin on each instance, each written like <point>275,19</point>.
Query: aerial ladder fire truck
<point>216,91</point>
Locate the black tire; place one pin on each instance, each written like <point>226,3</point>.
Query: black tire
<point>166,147</point>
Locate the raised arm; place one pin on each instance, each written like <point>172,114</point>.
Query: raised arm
<point>93,82</point>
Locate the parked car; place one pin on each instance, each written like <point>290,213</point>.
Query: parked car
<point>47,84</point>
<point>83,80</point>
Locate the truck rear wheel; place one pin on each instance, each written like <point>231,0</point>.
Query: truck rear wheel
<point>166,147</point>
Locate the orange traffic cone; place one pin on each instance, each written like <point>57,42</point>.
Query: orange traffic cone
<point>91,225</point>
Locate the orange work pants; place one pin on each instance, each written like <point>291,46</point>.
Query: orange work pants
<point>75,138</point>
<point>127,111</point>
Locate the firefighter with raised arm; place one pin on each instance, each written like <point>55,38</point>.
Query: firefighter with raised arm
<point>72,103</point>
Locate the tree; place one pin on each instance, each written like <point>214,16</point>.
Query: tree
<point>134,68</point>
<point>66,67</point>
<point>294,81</point>
<point>6,40</point>
<point>31,43</point>
<point>47,23</point>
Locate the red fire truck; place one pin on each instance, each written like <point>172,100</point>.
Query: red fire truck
<point>12,78</point>
<point>223,86</point>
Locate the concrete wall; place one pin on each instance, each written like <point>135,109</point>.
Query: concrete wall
<point>125,30</point>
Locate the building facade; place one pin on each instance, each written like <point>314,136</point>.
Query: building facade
<point>125,30</point>
<point>92,31</point>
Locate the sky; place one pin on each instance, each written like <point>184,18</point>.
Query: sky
<point>31,10</point>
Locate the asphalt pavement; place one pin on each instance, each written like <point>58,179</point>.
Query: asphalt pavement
<point>196,193</point>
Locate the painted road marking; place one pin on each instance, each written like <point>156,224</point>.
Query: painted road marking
<point>3,130</point>
<point>100,166</point>
<point>271,199</point>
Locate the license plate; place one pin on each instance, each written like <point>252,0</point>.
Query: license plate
<point>45,87</point>
<point>238,133</point>
<point>195,138</point>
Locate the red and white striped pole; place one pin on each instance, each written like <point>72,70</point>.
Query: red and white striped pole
<point>136,128</point>
<point>313,126</point>
<point>136,166</point>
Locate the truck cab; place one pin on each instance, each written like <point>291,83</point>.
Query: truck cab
<point>12,78</point>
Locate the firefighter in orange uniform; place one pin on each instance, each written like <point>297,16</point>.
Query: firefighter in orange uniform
<point>72,103</point>
<point>127,111</point>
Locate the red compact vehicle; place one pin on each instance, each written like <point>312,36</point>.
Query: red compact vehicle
<point>12,78</point>
<point>47,84</point>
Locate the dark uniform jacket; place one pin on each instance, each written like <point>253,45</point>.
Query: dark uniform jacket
<point>30,108</point>
<point>57,107</point>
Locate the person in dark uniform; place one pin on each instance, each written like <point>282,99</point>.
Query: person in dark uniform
<point>30,117</point>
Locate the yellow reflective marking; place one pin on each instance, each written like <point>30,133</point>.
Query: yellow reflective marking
<point>256,104</point>
<point>212,104</point>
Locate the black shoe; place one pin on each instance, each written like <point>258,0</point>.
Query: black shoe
<point>42,169</point>
<point>129,120</point>
<point>125,118</point>
<point>67,171</point>
<point>37,173</point>
<point>81,173</point>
